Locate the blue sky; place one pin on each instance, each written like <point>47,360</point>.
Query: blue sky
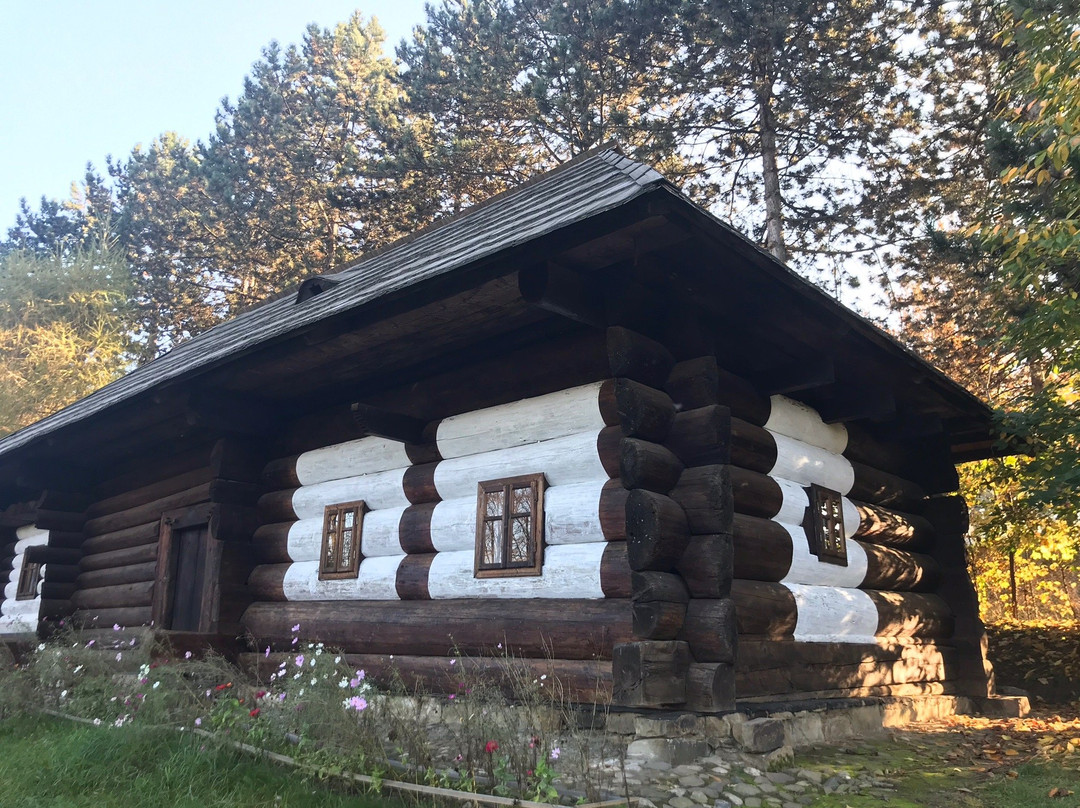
<point>83,79</point>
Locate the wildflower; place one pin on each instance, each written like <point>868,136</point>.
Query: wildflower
<point>207,694</point>
<point>156,685</point>
<point>299,660</point>
<point>116,627</point>
<point>187,654</point>
<point>301,692</point>
<point>358,703</point>
<point>543,677</point>
<point>198,722</point>
<point>225,686</point>
<point>77,668</point>
<point>337,660</point>
<point>260,694</point>
<point>143,680</point>
<point>97,722</point>
<point>491,746</point>
<point>273,676</point>
<point>63,694</point>
<point>132,643</point>
<point>297,675</point>
<point>344,683</point>
<point>296,627</point>
<point>499,646</point>
<point>555,752</point>
<point>254,713</point>
<point>312,662</point>
<point>119,656</point>
<point>295,640</point>
<point>360,673</point>
<point>41,647</point>
<point>453,661</point>
<point>281,697</point>
<point>267,654</point>
<point>459,758</point>
<point>90,643</point>
<point>354,683</point>
<point>452,696</point>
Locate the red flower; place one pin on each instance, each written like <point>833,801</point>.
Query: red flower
<point>490,747</point>
<point>225,686</point>
<point>254,712</point>
<point>260,694</point>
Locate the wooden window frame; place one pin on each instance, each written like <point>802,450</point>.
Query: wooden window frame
<point>358,507</point>
<point>537,484</point>
<point>29,576</point>
<point>825,525</point>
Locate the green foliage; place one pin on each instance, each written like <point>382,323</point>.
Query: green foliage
<point>64,330</point>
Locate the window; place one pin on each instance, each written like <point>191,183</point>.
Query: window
<point>29,577</point>
<point>342,526</point>
<point>826,529</point>
<point>510,527</point>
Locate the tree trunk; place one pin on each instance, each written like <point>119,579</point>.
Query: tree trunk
<point>1012,584</point>
<point>774,203</point>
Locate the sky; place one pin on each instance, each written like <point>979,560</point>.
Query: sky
<point>81,79</point>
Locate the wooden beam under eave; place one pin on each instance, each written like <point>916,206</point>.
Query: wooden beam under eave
<point>562,291</point>
<point>858,404</point>
<point>385,424</point>
<point>230,413</point>
<point>794,377</point>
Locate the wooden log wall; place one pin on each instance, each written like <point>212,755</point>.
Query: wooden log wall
<point>786,599</point>
<point>21,616</point>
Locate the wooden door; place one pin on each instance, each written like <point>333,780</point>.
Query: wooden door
<point>185,591</point>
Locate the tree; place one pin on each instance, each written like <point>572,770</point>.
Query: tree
<point>64,330</point>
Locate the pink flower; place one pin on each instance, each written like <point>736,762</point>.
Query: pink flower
<point>116,627</point>
<point>267,654</point>
<point>360,673</point>
<point>358,703</point>
<point>354,683</point>
<point>90,643</point>
<point>187,655</point>
<point>555,752</point>
<point>451,696</point>
<point>198,722</point>
<point>491,746</point>
<point>299,660</point>
<point>296,627</point>
<point>281,697</point>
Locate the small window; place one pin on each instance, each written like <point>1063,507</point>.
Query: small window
<point>29,577</point>
<point>825,530</point>
<point>510,527</point>
<point>342,526</point>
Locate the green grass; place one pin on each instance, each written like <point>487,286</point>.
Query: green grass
<point>48,763</point>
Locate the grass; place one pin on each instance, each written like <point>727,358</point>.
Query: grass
<point>48,763</point>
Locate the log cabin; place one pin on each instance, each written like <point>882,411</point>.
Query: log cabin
<point>585,424</point>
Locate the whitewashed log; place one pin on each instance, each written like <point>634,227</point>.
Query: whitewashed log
<point>796,501</point>
<point>565,460</point>
<point>30,532</point>
<point>379,490</point>
<point>17,625</point>
<point>26,609</point>
<point>808,569</point>
<point>353,458</point>
<point>833,614</point>
<point>796,420</point>
<point>571,516</point>
<point>377,581</point>
<point>33,540</point>
<point>570,571</point>
<point>305,539</point>
<point>379,534</point>
<point>531,420</point>
<point>802,463</point>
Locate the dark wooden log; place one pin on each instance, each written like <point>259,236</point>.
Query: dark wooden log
<point>61,538</point>
<point>270,543</point>
<point>754,493</point>
<point>114,597</point>
<point>644,412</point>
<point>650,673</point>
<point>647,587</point>
<point>898,571</point>
<point>238,459</point>
<point>752,447</point>
<point>635,356</point>
<point>702,436</point>
<point>414,528</point>
<point>124,616</point>
<point>62,573</point>
<point>700,382</point>
<point>113,576</point>
<point>233,492</point>
<point>59,521</point>
<point>613,510</point>
<point>144,494</point>
<point>120,558</point>
<point>857,403</point>
<point>323,428</point>
<point>57,555</point>
<point>562,629</point>
<point>158,466</point>
<point>609,407</point>
<point>280,473</point>
<point>266,582</point>
<point>231,523</point>
<point>56,590</point>
<point>615,571</point>
<point>657,620</point>
<point>386,424</point>
<point>579,681</point>
<point>882,488</point>
<point>141,514</point>
<point>710,687</point>
<point>648,465</point>
<point>609,449</point>
<point>762,549</point>
<point>764,609</point>
<point>805,373</point>
<point>276,506</point>
<point>419,484</point>
<point>704,493</point>
<point>53,609</point>
<point>426,452</point>
<point>412,577</point>
<point>126,537</point>
<point>656,531</point>
<point>561,291</point>
<point>912,614</point>
<point>707,565</point>
<point>710,629</point>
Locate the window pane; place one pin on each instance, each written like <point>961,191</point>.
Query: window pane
<point>521,540</point>
<point>492,550</point>
<point>345,559</point>
<point>522,500</point>
<point>493,503</point>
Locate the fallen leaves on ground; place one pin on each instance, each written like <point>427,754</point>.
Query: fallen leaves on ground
<point>1042,657</point>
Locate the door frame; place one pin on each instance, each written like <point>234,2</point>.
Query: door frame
<point>165,575</point>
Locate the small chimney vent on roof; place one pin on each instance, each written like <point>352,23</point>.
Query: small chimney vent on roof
<point>315,285</point>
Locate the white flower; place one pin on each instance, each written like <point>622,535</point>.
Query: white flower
<point>313,661</point>
<point>314,680</point>
<point>344,683</point>
<point>77,668</point>
<point>301,692</point>
<point>42,646</point>
<point>63,694</point>
<point>97,722</point>
<point>337,660</point>
<point>157,685</point>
